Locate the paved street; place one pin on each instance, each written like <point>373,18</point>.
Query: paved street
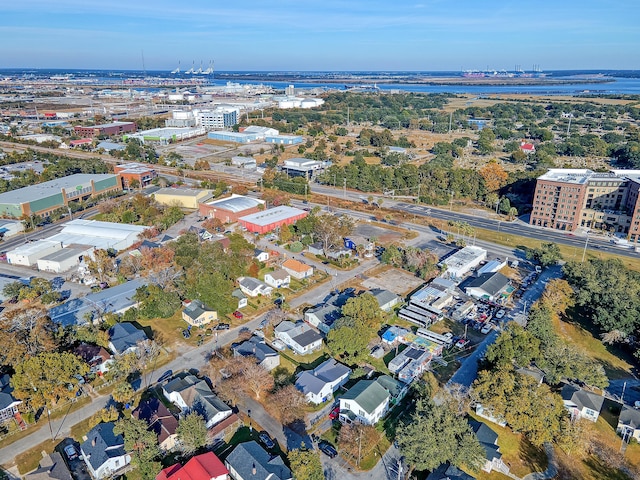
<point>386,469</point>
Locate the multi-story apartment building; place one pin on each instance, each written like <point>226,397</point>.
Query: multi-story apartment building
<point>566,199</point>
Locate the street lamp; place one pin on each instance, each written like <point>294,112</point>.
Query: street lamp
<point>584,251</point>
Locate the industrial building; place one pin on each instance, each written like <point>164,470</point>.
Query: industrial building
<point>65,258</point>
<point>9,228</point>
<point>262,132</point>
<point>78,238</point>
<point>43,198</point>
<point>166,135</point>
<point>221,117</point>
<point>248,163</point>
<point>284,139</point>
<point>140,172</point>
<point>182,197</point>
<point>230,209</point>
<point>463,261</point>
<point>566,199</point>
<point>302,167</point>
<point>115,128</point>
<point>235,137</point>
<point>268,220</point>
<point>297,102</point>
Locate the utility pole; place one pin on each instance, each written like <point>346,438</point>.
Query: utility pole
<point>344,188</point>
<point>419,185</point>
<point>347,116</point>
<point>584,251</point>
<point>450,120</point>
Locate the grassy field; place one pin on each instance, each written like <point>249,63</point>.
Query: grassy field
<point>29,460</point>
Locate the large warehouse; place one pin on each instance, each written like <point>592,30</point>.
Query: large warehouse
<point>166,135</point>
<point>77,239</point>
<point>43,198</point>
<point>269,220</point>
<point>463,261</point>
<point>183,197</point>
<point>230,209</point>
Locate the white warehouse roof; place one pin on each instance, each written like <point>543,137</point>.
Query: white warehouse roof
<point>98,234</point>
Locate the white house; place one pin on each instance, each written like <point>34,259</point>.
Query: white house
<point>629,423</point>
<point>319,384</point>
<point>190,394</point>
<point>253,287</point>
<point>260,255</point>
<point>301,338</point>
<point>103,451</point>
<point>581,403</point>
<point>366,402</point>
<point>277,279</point>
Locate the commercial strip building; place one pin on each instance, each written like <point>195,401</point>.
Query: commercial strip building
<point>182,197</point>
<point>115,128</point>
<point>43,198</point>
<point>139,172</point>
<point>302,167</point>
<point>566,199</point>
<point>230,209</point>
<point>463,261</point>
<point>268,220</point>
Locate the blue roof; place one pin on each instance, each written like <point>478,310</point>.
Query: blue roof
<point>102,444</point>
<point>114,299</point>
<point>125,335</point>
<point>247,455</point>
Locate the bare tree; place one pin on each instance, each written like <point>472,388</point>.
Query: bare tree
<point>289,404</point>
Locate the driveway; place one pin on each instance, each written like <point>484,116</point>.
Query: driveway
<point>386,469</point>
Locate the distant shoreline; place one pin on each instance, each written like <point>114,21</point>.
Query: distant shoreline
<point>462,81</point>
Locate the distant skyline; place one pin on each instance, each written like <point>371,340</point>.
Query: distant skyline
<point>378,35</point>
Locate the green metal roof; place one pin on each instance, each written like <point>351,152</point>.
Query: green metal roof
<point>369,394</point>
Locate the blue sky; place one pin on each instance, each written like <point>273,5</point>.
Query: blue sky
<point>321,35</point>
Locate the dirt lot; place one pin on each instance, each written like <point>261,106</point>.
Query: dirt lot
<point>366,231</point>
<point>393,279</point>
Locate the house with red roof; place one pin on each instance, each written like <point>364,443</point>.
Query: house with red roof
<point>527,147</point>
<point>201,467</point>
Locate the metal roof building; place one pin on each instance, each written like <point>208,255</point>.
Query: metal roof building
<point>43,198</point>
<point>104,235</point>
<point>268,220</point>
<point>229,209</point>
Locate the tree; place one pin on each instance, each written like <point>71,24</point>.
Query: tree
<point>123,393</point>
<point>103,266</point>
<point>13,289</point>
<point>547,254</point>
<point>289,403</point>
<point>494,176</point>
<point>306,465</point>
<point>358,440</point>
<point>25,332</point>
<point>362,312</point>
<point>47,378</point>
<point>436,434</point>
<point>348,343</point>
<point>255,379</point>
<point>331,230</point>
<point>141,443</point>
<point>192,433</point>
<point>514,346</point>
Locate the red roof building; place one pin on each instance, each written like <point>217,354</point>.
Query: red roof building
<point>271,219</point>
<point>82,141</point>
<point>135,171</point>
<point>527,147</point>
<point>201,467</point>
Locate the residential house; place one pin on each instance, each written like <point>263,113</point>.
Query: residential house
<point>533,372</point>
<point>488,414</point>
<point>9,404</point>
<point>489,286</point>
<point>319,384</point>
<point>191,394</point>
<point>260,255</point>
<point>103,451</point>
<point>95,356</point>
<point>397,390</point>
<point>300,337</point>
<point>316,248</point>
<point>489,441</point>
<point>324,315</point>
<point>51,467</point>
<point>446,471</point>
<point>297,269</point>
<point>124,338</point>
<point>277,279</point>
<point>410,363</point>
<point>255,347</point>
<point>527,148</point>
<point>366,402</point>
<point>249,461</point>
<point>629,423</point>
<point>241,297</point>
<point>201,467</point>
<point>581,403</point>
<point>386,299</point>
<point>253,287</point>
<point>195,313</point>
<point>160,421</point>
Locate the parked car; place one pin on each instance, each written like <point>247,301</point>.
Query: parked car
<point>328,449</point>
<point>266,439</point>
<point>278,344</point>
<point>463,342</point>
<point>238,314</point>
<point>448,335</point>
<point>334,413</point>
<point>500,313</point>
<point>222,326</point>
<point>486,329</point>
<point>186,333</point>
<point>71,452</point>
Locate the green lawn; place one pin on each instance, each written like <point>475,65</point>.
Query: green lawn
<point>29,460</point>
